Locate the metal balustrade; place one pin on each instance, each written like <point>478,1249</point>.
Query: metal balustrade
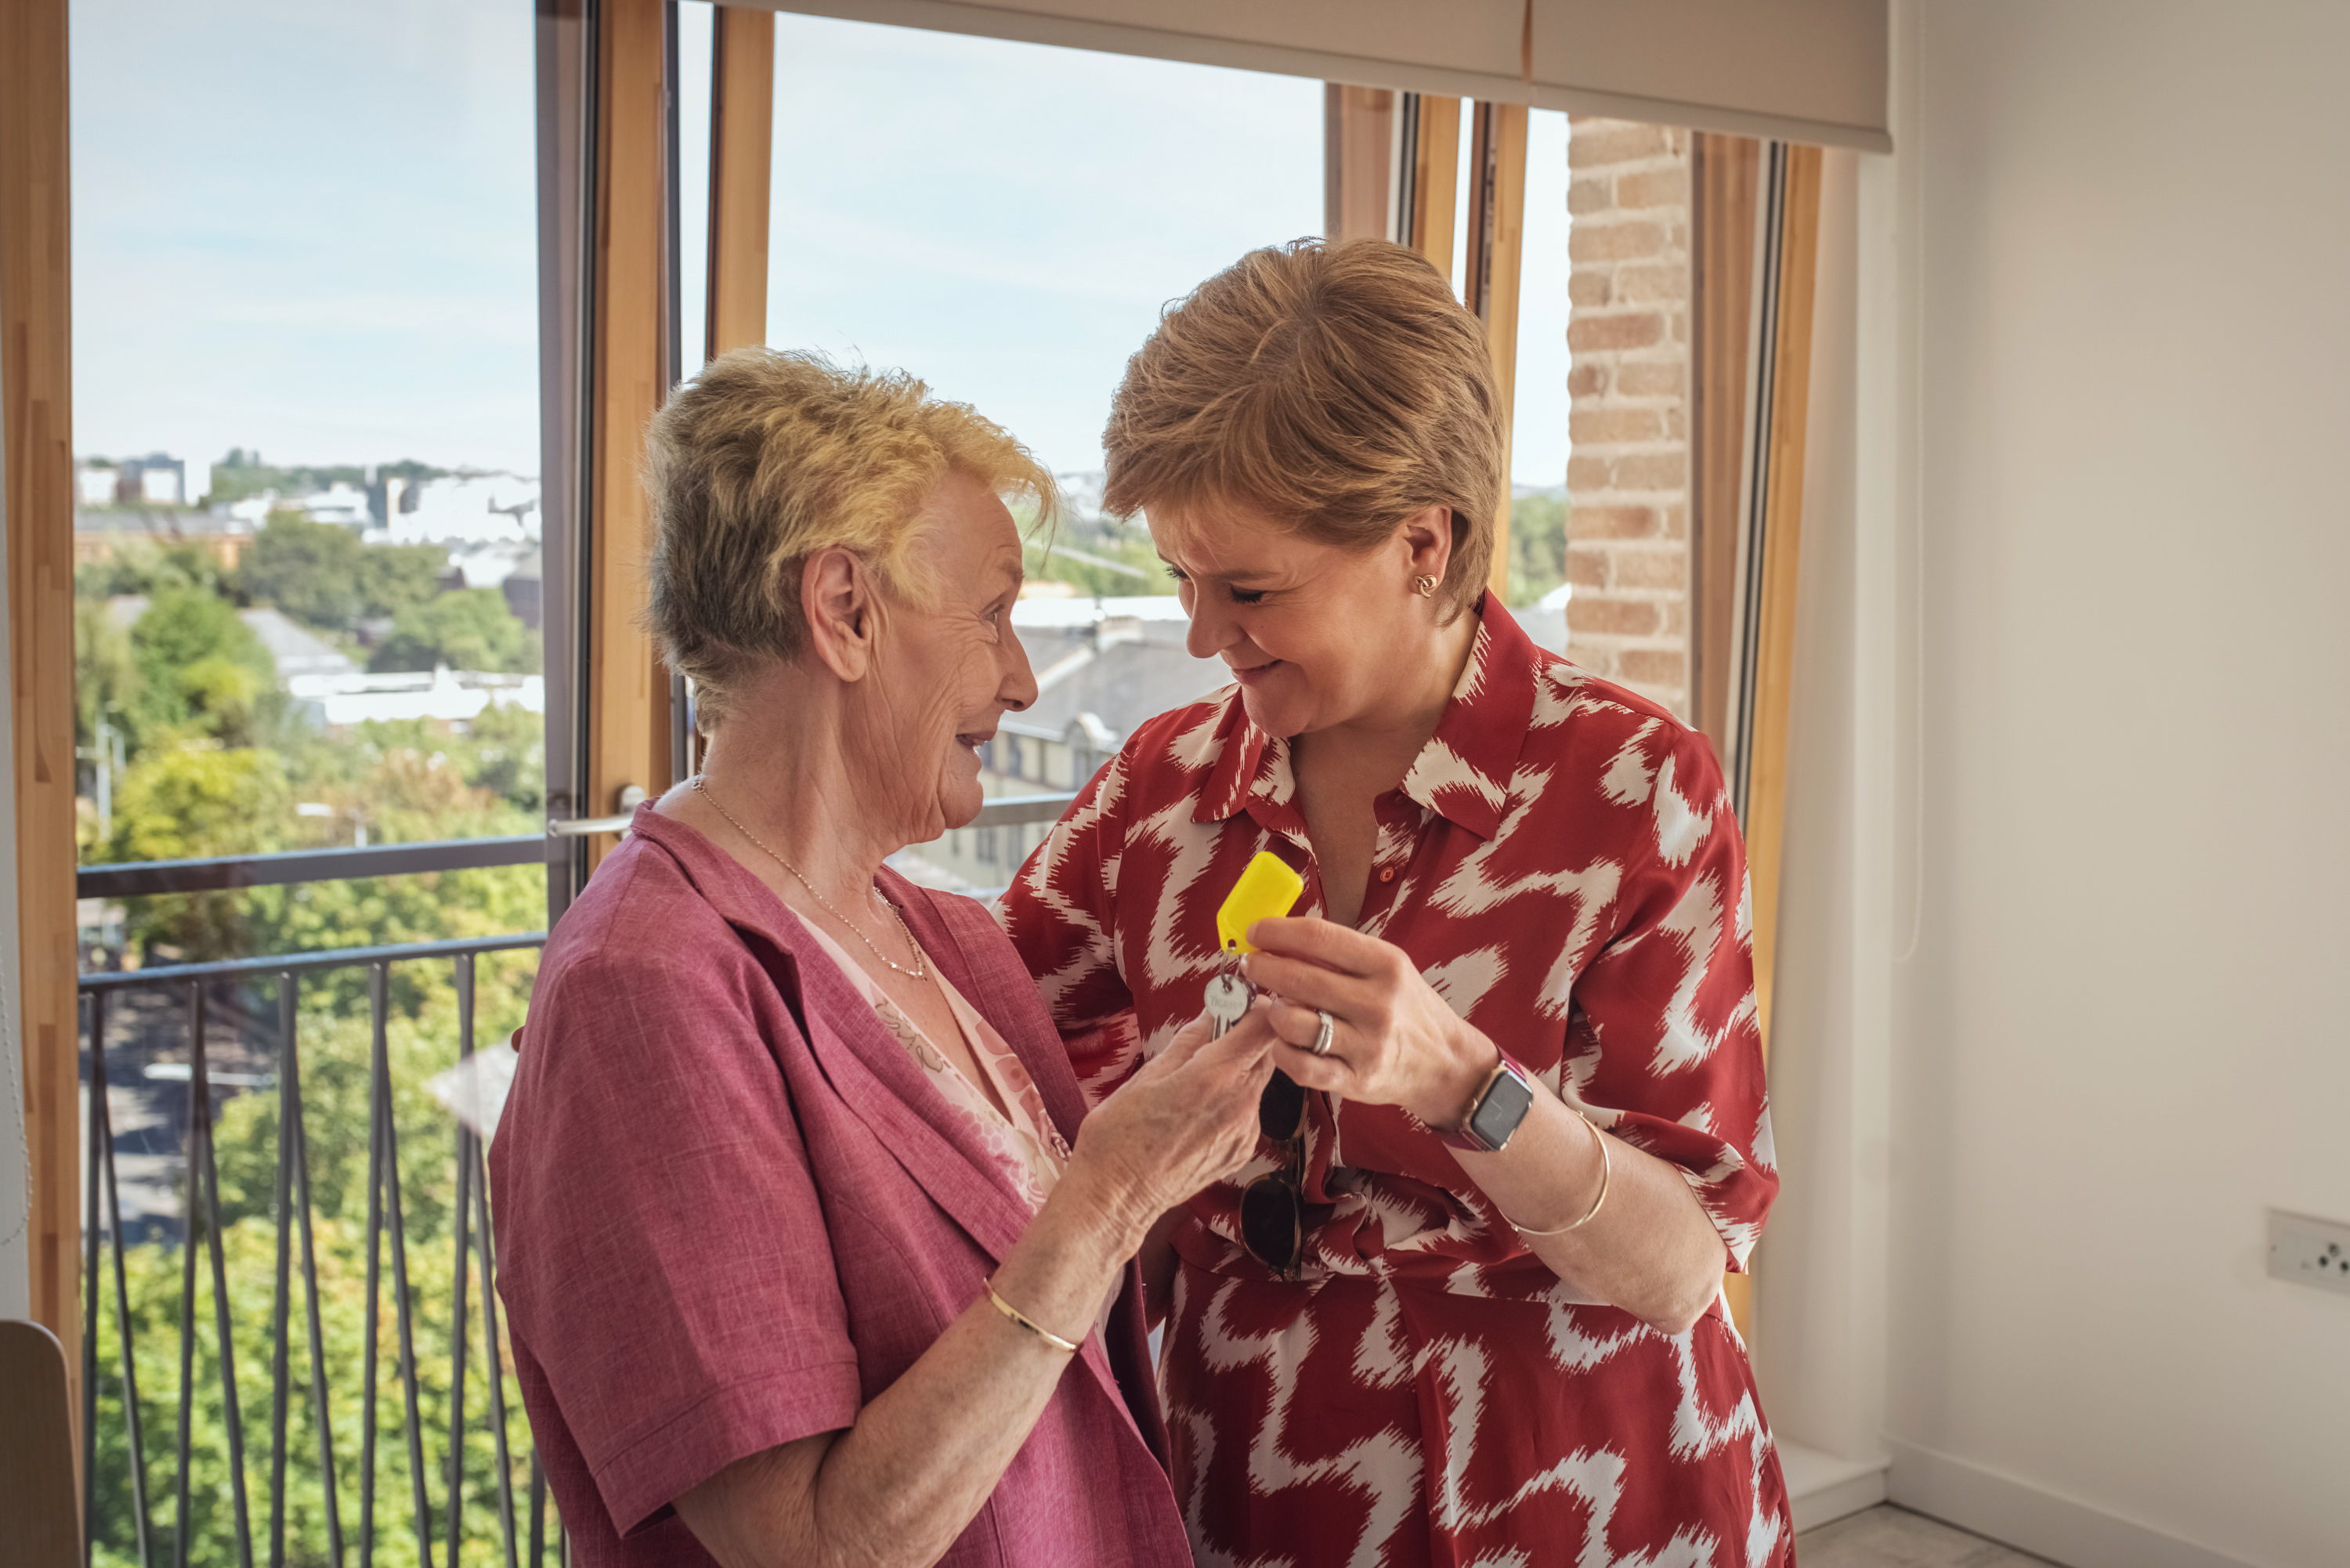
<point>527,1531</point>
<point>292,1211</point>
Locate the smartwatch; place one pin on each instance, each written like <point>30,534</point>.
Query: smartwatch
<point>1495,1112</point>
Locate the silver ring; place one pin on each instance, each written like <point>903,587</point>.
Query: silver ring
<point>1321,1046</point>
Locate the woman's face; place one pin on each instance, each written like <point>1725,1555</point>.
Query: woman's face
<point>1316,635</point>
<point>945,674</point>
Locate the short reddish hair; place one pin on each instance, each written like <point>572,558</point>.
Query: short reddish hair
<point>1339,387</point>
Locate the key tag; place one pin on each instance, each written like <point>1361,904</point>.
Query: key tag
<point>1266,890</point>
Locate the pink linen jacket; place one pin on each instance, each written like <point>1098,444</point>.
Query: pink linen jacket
<point>730,1209</point>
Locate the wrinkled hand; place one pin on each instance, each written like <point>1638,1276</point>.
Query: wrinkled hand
<point>1394,1041</point>
<point>1187,1120</point>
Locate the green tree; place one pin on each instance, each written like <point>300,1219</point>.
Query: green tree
<point>146,567</point>
<point>189,647</point>
<point>308,570</point>
<point>105,672</point>
<point>467,628</point>
<point>322,575</point>
<point>420,1039</point>
<point>1537,546</point>
<point>397,577</point>
<point>505,751</point>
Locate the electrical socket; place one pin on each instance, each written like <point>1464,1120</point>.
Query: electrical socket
<point>2309,1252</point>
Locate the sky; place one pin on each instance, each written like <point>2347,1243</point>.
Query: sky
<point>305,228</point>
<point>309,230</point>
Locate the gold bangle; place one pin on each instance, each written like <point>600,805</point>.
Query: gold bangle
<point>1606,1175</point>
<point>1067,1346</point>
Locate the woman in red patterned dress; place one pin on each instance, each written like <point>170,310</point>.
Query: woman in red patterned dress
<point>1467,1308</point>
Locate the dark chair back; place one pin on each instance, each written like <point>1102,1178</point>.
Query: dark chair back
<point>37,1459</point>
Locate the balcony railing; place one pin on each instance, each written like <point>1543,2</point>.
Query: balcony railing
<point>293,1214</point>
<point>278,1495</point>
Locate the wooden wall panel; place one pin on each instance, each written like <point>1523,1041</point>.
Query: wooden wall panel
<point>1778,424</point>
<point>1435,175</point>
<point>1774,657</point>
<point>1725,177</point>
<point>742,140</point>
<point>629,691</point>
<point>36,360</point>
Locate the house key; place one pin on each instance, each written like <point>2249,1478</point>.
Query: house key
<point>1227,1002</point>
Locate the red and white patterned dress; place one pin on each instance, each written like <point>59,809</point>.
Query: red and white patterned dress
<point>1562,864</point>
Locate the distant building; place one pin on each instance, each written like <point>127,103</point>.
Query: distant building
<point>462,509</point>
<point>299,651</point>
<point>487,566</point>
<point>337,702</point>
<point>1102,666</point>
<point>101,535</point>
<point>340,502</point>
<point>157,479</point>
<point>522,589</point>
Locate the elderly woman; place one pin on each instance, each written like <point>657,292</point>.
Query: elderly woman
<point>807,1257</point>
<point>1465,1307</point>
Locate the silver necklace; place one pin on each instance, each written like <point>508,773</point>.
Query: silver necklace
<point>920,970</point>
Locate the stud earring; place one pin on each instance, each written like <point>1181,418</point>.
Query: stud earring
<point>1424,587</point>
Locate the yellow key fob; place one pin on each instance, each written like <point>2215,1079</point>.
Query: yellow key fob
<point>1265,891</point>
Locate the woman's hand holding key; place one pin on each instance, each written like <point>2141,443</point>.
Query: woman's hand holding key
<point>1188,1119</point>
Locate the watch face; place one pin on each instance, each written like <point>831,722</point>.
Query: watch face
<point>1499,1112</point>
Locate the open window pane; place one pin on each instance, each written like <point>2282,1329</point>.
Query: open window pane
<point>306,405</point>
<point>308,623</point>
<point>1006,221</point>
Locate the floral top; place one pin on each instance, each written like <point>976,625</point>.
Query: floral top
<point>1026,1146</point>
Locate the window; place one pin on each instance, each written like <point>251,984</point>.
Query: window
<point>307,605</point>
<point>308,619</point>
<point>1016,270</point>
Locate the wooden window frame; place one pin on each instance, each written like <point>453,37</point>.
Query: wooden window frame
<point>1391,169</point>
<point>36,405</point>
<point>608,200</point>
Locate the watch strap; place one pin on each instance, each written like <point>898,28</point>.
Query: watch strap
<point>1468,1135</point>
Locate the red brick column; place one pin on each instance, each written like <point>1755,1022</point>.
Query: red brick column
<point>1627,482</point>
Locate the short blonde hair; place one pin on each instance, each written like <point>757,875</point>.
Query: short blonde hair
<point>767,457</point>
<point>1339,387</point>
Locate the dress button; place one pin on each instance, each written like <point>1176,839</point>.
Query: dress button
<point>1387,874</point>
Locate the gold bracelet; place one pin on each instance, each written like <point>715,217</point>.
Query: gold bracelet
<point>1067,1346</point>
<point>1606,1175</point>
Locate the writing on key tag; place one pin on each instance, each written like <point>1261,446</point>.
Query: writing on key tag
<point>1227,1002</point>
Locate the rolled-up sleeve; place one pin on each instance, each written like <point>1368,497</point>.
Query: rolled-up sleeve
<point>664,1256</point>
<point>1664,1026</point>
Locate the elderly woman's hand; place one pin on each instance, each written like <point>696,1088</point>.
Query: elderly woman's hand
<point>1393,1041</point>
<point>1187,1120</point>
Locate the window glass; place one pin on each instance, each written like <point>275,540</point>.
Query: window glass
<point>1541,429</point>
<point>1006,221</point>
<point>306,617</point>
<point>306,428</point>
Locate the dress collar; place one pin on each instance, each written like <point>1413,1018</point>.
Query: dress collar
<point>1462,775</point>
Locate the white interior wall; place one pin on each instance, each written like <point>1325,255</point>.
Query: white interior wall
<point>2121,1038</point>
<point>1819,1346</point>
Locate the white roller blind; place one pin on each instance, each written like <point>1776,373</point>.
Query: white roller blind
<point>1802,70</point>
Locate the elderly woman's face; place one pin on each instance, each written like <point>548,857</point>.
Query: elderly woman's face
<point>1313,633</point>
<point>948,673</point>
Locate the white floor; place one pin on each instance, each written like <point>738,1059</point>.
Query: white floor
<point>1889,1537</point>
